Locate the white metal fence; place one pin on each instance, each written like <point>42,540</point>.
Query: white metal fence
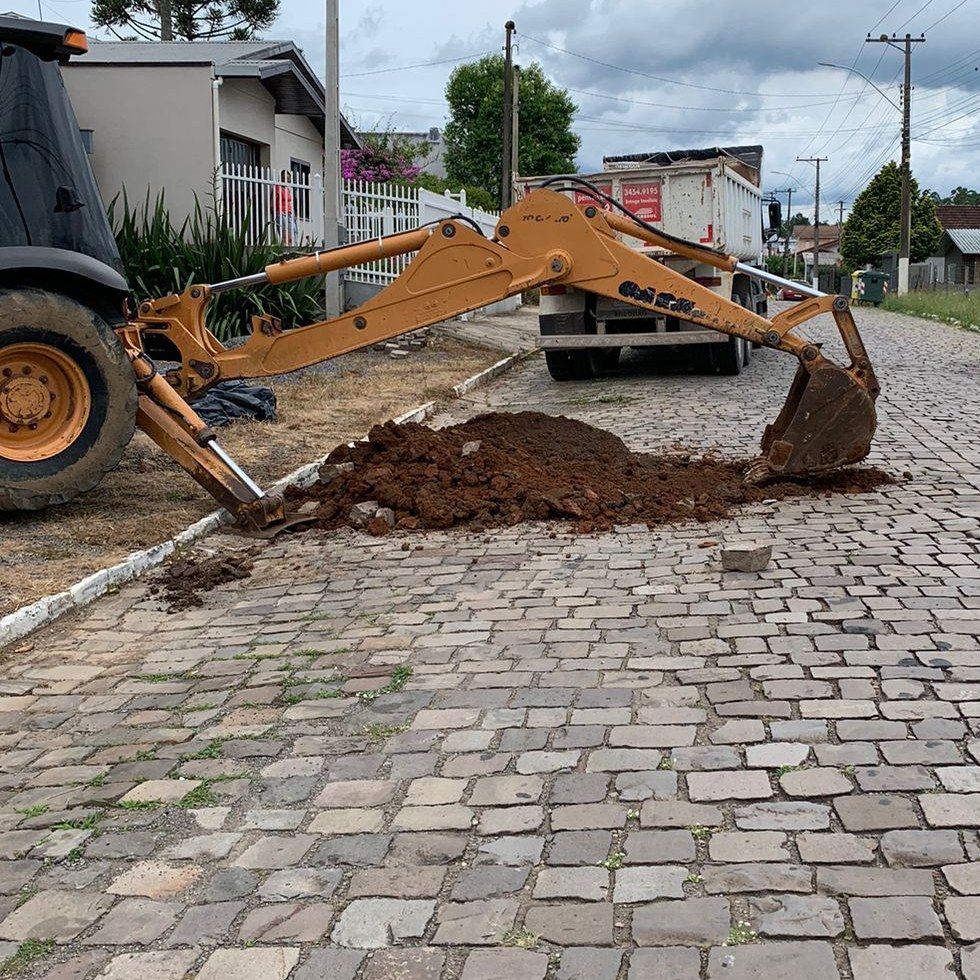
<point>270,207</point>
<point>372,210</point>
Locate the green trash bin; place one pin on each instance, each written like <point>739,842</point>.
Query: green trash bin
<point>872,286</point>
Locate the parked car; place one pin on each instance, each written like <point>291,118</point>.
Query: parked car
<point>789,293</point>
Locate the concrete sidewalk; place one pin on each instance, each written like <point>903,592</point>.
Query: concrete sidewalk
<point>511,755</point>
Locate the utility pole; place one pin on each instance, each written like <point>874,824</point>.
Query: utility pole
<point>166,20</point>
<point>507,130</point>
<point>331,154</point>
<point>840,220</point>
<point>816,217</point>
<point>904,44</point>
<point>515,129</point>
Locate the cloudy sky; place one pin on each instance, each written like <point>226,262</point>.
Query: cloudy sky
<point>652,75</point>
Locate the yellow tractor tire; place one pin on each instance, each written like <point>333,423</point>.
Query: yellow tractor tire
<point>67,399</point>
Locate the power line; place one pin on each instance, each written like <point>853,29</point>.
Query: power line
<point>421,64</point>
<point>928,3</point>
<point>669,81</point>
<point>944,16</point>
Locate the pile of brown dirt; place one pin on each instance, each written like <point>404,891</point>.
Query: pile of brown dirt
<point>535,467</point>
<point>186,581</point>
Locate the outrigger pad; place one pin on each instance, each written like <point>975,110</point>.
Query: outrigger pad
<point>828,421</point>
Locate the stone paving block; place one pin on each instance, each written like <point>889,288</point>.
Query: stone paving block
<point>286,922</point>
<point>52,914</point>
<point>728,785</point>
<point>871,882</point>
<point>876,812</point>
<point>257,963</point>
<point>571,924</point>
<point>347,821</point>
<point>475,923</point>
<point>330,964</point>
<point>722,879</point>
<point>205,925</point>
<point>659,847</point>
<point>791,916</point>
<point>372,923</point>
<point>583,963</point>
<point>134,920</point>
<point>487,882</point>
<point>905,917</point>
<point>154,879</point>
<point>819,781</point>
<point>963,916</point>
<point>655,813</point>
<point>404,964</point>
<point>505,964</point>
<point>774,961</point>
<point>921,848</point>
<point>433,818</point>
<point>677,962</point>
<point>836,848</point>
<point>510,820</point>
<point>356,793</point>
<point>951,809</point>
<point>783,815</point>
<point>270,853</point>
<point>963,878</point>
<point>161,791</point>
<point>389,882</point>
<point>580,788</point>
<point>637,786</point>
<point>762,845</point>
<point>506,790</point>
<point>910,962</point>
<point>645,884</point>
<point>598,816</point>
<point>572,847</point>
<point>692,922</point>
<point>587,884</point>
<point>153,965</point>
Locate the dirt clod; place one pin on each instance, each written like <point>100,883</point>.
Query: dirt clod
<point>186,581</point>
<point>535,467</point>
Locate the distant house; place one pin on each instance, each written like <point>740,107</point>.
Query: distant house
<point>958,257</point>
<point>802,237</point>
<point>169,115</point>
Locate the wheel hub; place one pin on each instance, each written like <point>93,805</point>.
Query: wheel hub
<point>45,402</point>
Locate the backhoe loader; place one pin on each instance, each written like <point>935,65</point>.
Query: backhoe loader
<point>73,383</point>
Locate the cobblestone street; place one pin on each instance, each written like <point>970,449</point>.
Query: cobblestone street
<point>524,754</point>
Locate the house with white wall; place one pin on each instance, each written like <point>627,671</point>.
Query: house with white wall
<point>168,116</point>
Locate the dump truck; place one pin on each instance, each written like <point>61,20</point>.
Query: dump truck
<point>710,196</point>
<point>76,371</point>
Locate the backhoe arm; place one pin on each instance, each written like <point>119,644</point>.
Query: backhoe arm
<point>828,420</point>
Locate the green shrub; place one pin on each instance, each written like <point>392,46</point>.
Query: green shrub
<point>161,258</point>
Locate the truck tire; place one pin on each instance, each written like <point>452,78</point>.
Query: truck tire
<point>729,357</point>
<point>607,358</point>
<point>67,399</point>
<point>571,365</point>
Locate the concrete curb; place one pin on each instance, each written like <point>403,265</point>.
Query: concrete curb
<point>21,622</point>
<point>488,374</point>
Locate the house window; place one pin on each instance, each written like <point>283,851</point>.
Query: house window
<point>238,151</point>
<point>301,188</point>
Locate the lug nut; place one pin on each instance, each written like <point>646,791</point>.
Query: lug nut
<point>26,369</point>
<point>43,379</point>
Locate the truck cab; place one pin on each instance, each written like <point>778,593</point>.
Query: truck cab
<point>710,196</point>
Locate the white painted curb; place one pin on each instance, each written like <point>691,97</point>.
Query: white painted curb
<point>18,624</point>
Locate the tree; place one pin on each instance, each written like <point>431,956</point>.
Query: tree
<point>185,20</point>
<point>475,93</point>
<point>958,195</point>
<point>874,223</point>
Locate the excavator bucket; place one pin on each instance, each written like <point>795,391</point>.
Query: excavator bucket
<point>828,420</point>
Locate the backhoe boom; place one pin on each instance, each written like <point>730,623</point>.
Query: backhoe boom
<point>828,420</point>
